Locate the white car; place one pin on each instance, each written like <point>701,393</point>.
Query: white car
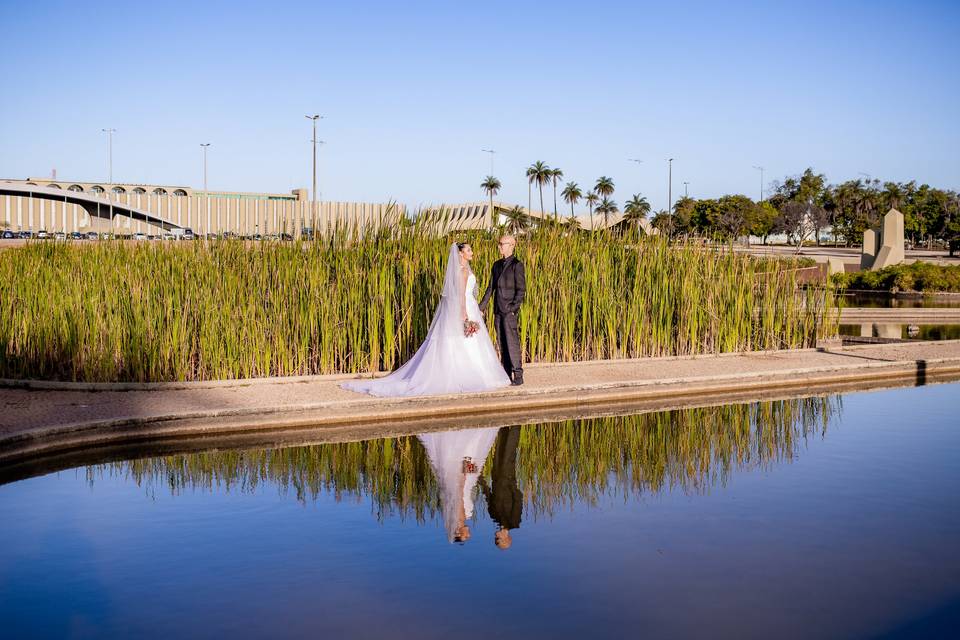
<point>169,236</point>
<point>139,236</point>
<point>42,234</point>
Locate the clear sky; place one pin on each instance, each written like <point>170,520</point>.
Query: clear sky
<point>411,93</point>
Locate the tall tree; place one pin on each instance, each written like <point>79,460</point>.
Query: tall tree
<point>555,174</point>
<point>541,174</point>
<point>517,220</point>
<point>591,199</point>
<point>571,194</point>
<point>663,222</point>
<point>636,209</point>
<point>492,186</point>
<point>607,207</point>
<point>604,187</point>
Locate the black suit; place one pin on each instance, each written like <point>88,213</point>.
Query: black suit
<point>504,498</point>
<point>508,286</point>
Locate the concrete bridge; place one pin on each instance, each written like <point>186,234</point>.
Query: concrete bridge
<point>94,206</point>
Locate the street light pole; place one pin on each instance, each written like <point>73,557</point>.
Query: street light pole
<point>491,152</point>
<point>760,169</point>
<point>313,210</point>
<point>204,146</point>
<point>670,186</point>
<point>685,194</point>
<point>109,133</point>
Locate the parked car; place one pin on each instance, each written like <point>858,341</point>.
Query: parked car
<point>188,234</point>
<point>42,234</point>
<point>211,236</point>
<point>286,237</point>
<point>139,236</point>
<point>76,235</point>
<point>59,235</point>
<point>93,235</point>
<point>9,235</point>
<point>169,236</point>
<point>26,235</point>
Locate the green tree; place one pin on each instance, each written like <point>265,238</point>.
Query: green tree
<point>571,194</point>
<point>492,186</point>
<point>517,220</point>
<point>591,199</point>
<point>555,174</point>
<point>635,210</point>
<point>540,174</point>
<point>607,207</point>
<point>663,222</point>
<point>604,187</point>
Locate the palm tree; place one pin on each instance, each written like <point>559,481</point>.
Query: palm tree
<point>555,174</point>
<point>571,194</point>
<point>636,209</point>
<point>531,176</point>
<point>592,198</point>
<point>540,173</point>
<point>517,220</point>
<point>571,224</point>
<point>606,207</point>
<point>492,186</point>
<point>604,187</point>
<point>663,222</point>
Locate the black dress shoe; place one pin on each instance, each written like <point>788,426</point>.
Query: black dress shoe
<point>517,379</point>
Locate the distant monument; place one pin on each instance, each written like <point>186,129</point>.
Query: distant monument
<point>883,247</point>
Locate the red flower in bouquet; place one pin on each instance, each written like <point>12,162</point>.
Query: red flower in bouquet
<point>470,327</point>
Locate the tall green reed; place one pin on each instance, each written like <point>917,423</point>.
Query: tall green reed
<point>361,301</point>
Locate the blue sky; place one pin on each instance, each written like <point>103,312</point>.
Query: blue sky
<point>411,93</point>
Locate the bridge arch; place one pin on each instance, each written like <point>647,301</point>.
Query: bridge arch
<point>94,206</point>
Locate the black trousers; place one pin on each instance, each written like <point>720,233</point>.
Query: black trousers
<point>508,337</point>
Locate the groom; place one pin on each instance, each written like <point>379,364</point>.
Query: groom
<point>508,284</point>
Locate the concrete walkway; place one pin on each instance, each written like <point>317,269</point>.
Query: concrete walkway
<point>44,418</point>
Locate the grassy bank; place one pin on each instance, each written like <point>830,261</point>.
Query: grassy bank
<point>921,277</point>
<point>190,311</point>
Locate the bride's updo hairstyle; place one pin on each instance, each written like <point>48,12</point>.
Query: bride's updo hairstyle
<point>461,245</point>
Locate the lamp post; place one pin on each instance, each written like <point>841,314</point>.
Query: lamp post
<point>669,186</point>
<point>491,152</point>
<point>685,194</point>
<point>109,133</point>
<point>313,206</point>
<point>204,146</point>
<point>760,169</point>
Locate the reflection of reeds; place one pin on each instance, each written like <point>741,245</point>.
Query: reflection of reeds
<point>557,464</point>
<point>351,303</point>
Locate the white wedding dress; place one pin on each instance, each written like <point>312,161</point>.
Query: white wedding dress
<point>447,451</point>
<point>447,362</point>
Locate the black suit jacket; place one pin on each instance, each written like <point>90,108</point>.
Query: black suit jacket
<point>508,286</point>
<point>504,499</point>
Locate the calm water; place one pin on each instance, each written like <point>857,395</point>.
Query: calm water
<point>887,301</point>
<point>831,517</point>
<point>904,331</point>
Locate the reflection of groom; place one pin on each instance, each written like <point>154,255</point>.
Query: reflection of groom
<point>504,498</point>
<point>508,285</point>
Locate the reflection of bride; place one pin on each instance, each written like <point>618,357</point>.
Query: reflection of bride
<point>447,361</point>
<point>457,459</point>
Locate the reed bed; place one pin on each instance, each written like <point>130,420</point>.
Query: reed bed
<point>558,464</point>
<point>361,302</point>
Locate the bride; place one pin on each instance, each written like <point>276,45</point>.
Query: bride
<point>448,361</point>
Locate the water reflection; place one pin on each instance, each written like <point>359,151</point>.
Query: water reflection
<point>520,471</point>
<point>902,331</point>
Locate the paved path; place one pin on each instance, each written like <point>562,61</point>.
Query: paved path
<point>38,420</point>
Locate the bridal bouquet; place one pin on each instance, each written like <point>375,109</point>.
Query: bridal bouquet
<point>470,327</point>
